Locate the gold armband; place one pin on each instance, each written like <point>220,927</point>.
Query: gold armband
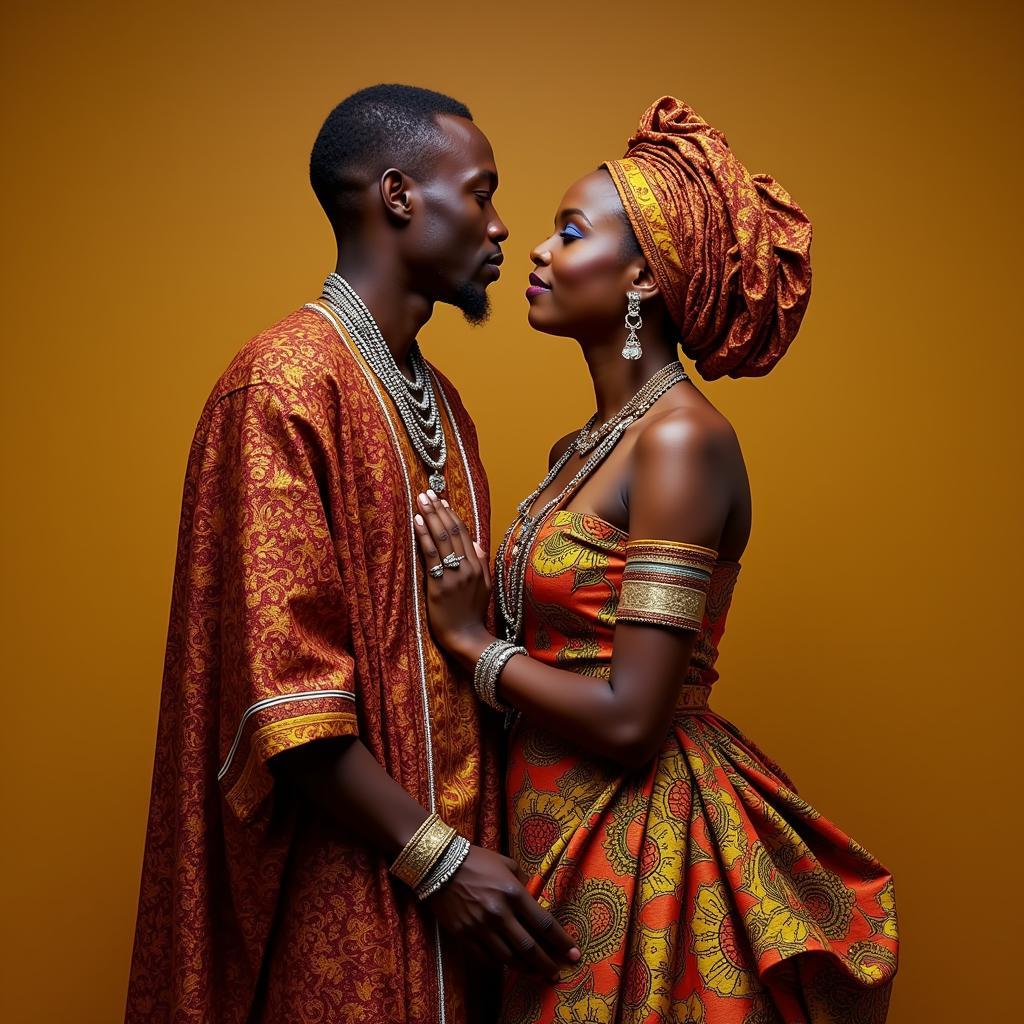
<point>665,583</point>
<point>423,850</point>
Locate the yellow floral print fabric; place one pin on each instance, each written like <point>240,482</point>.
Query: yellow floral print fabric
<point>701,889</point>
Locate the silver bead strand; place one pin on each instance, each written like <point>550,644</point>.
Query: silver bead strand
<point>666,377</point>
<point>416,400</point>
<point>509,587</point>
<point>509,593</point>
<point>443,871</point>
<point>374,348</point>
<point>424,408</point>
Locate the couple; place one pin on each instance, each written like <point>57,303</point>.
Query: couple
<point>333,790</point>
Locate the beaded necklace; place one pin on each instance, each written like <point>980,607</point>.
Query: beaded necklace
<point>414,399</point>
<point>509,583</point>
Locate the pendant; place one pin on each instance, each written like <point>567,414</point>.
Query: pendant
<point>437,483</point>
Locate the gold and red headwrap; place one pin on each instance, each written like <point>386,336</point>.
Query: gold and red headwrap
<point>730,250</point>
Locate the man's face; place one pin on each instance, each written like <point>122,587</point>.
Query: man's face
<point>455,242</point>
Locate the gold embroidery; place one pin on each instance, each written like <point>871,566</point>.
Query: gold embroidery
<point>661,603</point>
<point>422,851</point>
<point>693,697</point>
<point>667,547</point>
<point>274,738</point>
<point>638,196</point>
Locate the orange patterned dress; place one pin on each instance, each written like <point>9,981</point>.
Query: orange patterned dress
<point>701,889</point>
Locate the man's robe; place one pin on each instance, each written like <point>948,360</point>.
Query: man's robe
<point>298,614</point>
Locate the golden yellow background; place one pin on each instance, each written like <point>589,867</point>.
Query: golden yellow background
<point>156,214</point>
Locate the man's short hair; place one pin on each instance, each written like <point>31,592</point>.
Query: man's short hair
<point>374,129</point>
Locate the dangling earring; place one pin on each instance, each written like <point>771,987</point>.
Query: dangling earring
<point>632,350</point>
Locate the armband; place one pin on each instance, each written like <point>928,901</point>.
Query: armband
<point>665,583</point>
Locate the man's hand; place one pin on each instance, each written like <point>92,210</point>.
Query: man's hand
<point>484,904</point>
<point>486,907</point>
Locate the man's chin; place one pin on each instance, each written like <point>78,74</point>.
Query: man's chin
<point>472,301</point>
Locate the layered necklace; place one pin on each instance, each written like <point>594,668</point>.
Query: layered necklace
<point>598,441</point>
<point>415,399</point>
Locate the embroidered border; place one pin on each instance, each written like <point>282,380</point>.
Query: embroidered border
<point>665,583</point>
<point>271,702</point>
<point>329,315</point>
<point>273,738</point>
<point>648,220</point>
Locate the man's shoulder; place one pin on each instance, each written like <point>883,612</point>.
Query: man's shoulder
<point>300,353</point>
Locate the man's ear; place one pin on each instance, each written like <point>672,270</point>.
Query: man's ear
<point>396,194</point>
<point>643,282</point>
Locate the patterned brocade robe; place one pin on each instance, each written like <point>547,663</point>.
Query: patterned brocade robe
<point>298,614</point>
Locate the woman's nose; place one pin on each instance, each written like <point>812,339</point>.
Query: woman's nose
<point>541,255</point>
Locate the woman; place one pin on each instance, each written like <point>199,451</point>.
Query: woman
<point>698,885</point>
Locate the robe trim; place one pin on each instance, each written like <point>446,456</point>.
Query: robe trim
<point>329,315</point>
<point>271,702</point>
<point>462,453</point>
<point>335,322</point>
<point>254,781</point>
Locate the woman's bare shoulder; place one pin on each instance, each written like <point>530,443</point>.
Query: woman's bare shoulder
<point>690,428</point>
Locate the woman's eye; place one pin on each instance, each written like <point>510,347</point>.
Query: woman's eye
<point>483,197</point>
<point>570,233</point>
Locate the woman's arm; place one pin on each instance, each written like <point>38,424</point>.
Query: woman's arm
<point>682,487</point>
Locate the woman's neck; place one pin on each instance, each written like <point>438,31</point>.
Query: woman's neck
<point>616,379</point>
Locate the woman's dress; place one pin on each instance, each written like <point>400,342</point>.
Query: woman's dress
<point>701,889</point>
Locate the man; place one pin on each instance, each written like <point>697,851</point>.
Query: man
<point>308,724</point>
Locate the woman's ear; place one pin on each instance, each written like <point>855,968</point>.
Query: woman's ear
<point>396,194</point>
<point>643,281</point>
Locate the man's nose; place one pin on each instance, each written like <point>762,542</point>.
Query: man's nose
<point>496,230</point>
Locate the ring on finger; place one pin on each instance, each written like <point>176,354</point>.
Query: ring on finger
<point>437,571</point>
<point>452,560</point>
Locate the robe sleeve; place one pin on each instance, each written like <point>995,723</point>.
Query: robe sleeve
<point>287,675</point>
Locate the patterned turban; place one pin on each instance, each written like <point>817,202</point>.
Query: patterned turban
<point>729,250</point>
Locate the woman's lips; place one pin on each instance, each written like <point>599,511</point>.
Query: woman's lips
<point>537,287</point>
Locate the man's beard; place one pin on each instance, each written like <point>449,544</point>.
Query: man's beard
<point>471,298</point>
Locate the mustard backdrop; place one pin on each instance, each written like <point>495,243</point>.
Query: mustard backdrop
<point>156,214</point>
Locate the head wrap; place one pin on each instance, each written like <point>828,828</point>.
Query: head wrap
<point>729,250</point>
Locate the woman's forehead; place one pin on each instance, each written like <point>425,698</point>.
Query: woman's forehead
<point>594,194</point>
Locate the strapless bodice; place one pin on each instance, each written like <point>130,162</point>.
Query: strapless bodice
<point>571,592</point>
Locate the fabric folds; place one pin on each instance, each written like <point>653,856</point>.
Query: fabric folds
<point>730,250</point>
<point>701,889</point>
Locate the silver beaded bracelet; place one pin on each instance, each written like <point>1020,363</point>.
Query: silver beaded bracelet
<point>482,671</point>
<point>495,657</point>
<point>445,868</point>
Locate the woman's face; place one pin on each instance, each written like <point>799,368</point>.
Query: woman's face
<point>586,266</point>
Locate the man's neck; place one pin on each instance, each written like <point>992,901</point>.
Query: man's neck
<point>399,311</point>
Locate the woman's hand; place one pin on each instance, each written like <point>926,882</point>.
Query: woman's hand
<point>457,599</point>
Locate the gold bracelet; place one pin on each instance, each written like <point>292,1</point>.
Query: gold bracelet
<point>423,850</point>
<point>403,854</point>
